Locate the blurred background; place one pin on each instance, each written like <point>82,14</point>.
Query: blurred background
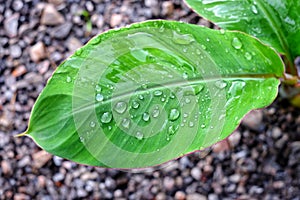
<point>260,160</point>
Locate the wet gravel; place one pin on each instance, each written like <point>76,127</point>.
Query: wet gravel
<point>261,160</point>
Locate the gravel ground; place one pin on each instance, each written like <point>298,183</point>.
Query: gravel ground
<point>261,160</point>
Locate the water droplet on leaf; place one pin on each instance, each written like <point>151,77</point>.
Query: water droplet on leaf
<point>248,56</point>
<point>139,135</point>
<point>69,79</point>
<point>174,114</point>
<point>220,84</point>
<point>135,104</point>
<point>182,38</point>
<point>146,116</point>
<point>157,93</point>
<point>120,107</point>
<point>106,117</point>
<point>236,43</point>
<point>126,123</point>
<point>92,124</point>
<point>99,97</point>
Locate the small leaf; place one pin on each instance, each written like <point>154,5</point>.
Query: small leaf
<point>276,23</point>
<point>143,95</point>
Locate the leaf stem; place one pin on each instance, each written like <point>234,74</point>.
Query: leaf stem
<point>21,134</point>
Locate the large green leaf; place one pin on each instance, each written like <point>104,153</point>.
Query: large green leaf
<point>275,22</point>
<point>142,95</point>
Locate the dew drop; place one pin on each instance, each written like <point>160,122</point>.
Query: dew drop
<point>174,114</point>
<point>203,46</point>
<point>187,100</point>
<point>163,99</point>
<point>106,117</point>
<point>254,9</point>
<point>141,97</point>
<point>248,56</point>
<point>126,123</point>
<point>191,124</point>
<point>81,139</point>
<point>98,88</point>
<point>185,115</point>
<point>139,135</point>
<point>172,129</point>
<point>198,52</point>
<point>68,79</point>
<point>120,107</point>
<point>155,112</point>
<point>236,43</point>
<point>92,124</point>
<point>184,50</point>
<point>135,105</point>
<point>182,38</point>
<point>146,116</point>
<point>78,52</point>
<point>99,97</point>
<point>198,88</point>
<point>157,93</point>
<point>222,31</point>
<point>203,126</point>
<point>220,84</point>
<point>207,39</point>
<point>185,75</point>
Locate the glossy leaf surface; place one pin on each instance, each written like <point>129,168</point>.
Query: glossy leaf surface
<point>275,22</point>
<point>143,95</point>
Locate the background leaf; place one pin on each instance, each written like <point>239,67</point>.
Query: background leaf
<point>142,95</point>
<point>276,23</point>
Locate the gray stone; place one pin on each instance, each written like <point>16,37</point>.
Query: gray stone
<point>62,31</point>
<point>51,16</point>
<point>196,196</point>
<point>15,51</point>
<point>11,25</point>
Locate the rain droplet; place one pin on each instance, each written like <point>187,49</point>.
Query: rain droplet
<point>182,38</point>
<point>99,97</point>
<point>78,52</point>
<point>106,117</point>
<point>185,75</point>
<point>139,135</point>
<point>126,123</point>
<point>135,104</point>
<point>163,99</point>
<point>236,43</point>
<point>184,50</point>
<point>81,139</point>
<point>198,88</point>
<point>92,124</point>
<point>69,79</point>
<point>198,52</point>
<point>207,39</point>
<point>248,56</point>
<point>146,116</point>
<point>254,9</point>
<point>155,112</point>
<point>220,84</point>
<point>98,88</point>
<point>141,97</point>
<point>191,124</point>
<point>203,46</point>
<point>187,100</point>
<point>172,129</point>
<point>174,114</point>
<point>157,93</point>
<point>203,126</point>
<point>120,107</point>
<point>185,115</point>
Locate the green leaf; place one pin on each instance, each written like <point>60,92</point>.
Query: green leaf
<point>151,92</point>
<point>276,23</point>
